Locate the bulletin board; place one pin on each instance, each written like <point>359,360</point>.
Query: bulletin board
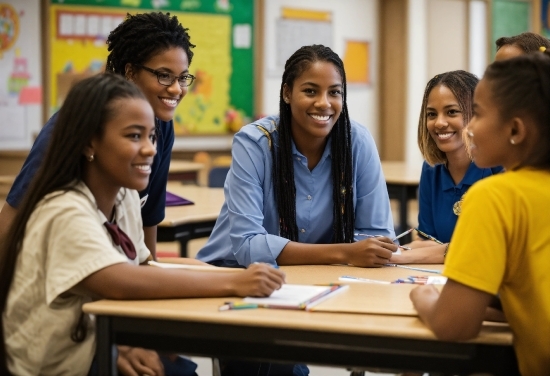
<point>20,75</point>
<point>222,97</point>
<point>509,17</point>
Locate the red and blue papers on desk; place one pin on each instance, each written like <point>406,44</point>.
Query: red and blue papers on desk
<point>175,200</point>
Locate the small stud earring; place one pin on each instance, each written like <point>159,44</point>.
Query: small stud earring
<point>91,158</point>
<point>286,100</point>
<point>470,134</point>
<point>512,141</point>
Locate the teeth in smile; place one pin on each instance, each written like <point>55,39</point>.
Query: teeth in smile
<point>143,167</point>
<point>321,118</point>
<point>170,102</point>
<point>444,136</point>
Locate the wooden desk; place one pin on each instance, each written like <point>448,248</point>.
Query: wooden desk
<point>402,181</point>
<point>196,327</point>
<point>184,170</point>
<point>183,223</point>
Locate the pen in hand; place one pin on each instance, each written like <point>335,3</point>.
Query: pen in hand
<point>381,236</point>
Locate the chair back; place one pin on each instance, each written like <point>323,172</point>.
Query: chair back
<point>216,176</point>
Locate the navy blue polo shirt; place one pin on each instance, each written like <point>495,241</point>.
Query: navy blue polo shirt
<point>153,197</point>
<point>437,195</point>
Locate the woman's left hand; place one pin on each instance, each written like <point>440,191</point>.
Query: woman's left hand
<point>135,361</point>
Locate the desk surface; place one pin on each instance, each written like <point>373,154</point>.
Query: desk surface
<point>206,310</point>
<point>179,166</point>
<point>208,202</point>
<point>401,173</point>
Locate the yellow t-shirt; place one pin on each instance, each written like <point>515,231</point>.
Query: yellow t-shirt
<point>501,244</point>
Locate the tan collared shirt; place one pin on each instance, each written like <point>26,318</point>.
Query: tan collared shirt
<point>65,242</point>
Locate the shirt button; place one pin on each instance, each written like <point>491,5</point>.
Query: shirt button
<point>298,158</point>
<point>303,230</point>
<point>309,197</point>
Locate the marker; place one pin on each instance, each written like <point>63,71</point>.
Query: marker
<point>348,278</point>
<point>414,268</point>
<point>229,306</point>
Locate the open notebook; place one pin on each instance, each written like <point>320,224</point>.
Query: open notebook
<point>297,296</point>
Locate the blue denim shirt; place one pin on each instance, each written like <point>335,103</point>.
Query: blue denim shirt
<point>247,229</point>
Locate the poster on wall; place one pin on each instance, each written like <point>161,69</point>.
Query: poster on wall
<point>20,78</point>
<point>221,98</point>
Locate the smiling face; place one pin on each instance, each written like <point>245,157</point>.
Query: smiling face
<point>490,141</point>
<point>164,99</point>
<point>444,120</point>
<point>124,153</point>
<point>315,101</point>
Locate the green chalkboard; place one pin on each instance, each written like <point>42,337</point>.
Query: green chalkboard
<point>241,83</point>
<point>509,18</point>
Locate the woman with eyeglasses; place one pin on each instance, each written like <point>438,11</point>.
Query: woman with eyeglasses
<point>153,50</point>
<point>77,236</point>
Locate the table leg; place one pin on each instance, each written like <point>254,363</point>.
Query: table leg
<point>105,354</point>
<point>404,214</point>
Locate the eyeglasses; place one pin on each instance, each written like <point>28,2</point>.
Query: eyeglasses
<point>167,79</point>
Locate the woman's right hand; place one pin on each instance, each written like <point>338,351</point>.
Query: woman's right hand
<point>258,280</point>
<point>371,252</point>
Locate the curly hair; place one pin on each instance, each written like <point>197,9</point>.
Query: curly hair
<point>462,84</point>
<point>139,37</point>
<point>342,170</point>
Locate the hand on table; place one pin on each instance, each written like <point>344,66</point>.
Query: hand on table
<point>371,252</point>
<point>258,280</point>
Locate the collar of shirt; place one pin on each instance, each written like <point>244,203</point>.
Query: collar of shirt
<point>473,174</point>
<point>303,158</point>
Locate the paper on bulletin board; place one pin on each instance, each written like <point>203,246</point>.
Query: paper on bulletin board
<point>20,79</point>
<point>78,50</point>
<point>297,28</point>
<point>357,62</point>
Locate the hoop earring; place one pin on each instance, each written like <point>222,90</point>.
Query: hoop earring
<point>90,158</point>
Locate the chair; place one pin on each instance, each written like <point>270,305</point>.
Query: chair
<point>216,177</point>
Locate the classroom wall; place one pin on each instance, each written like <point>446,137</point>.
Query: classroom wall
<point>439,43</point>
<point>351,20</point>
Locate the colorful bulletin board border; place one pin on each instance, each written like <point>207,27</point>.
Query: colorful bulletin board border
<point>234,22</point>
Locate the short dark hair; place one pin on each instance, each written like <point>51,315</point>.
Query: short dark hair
<point>462,84</point>
<point>521,87</point>
<point>89,105</point>
<point>141,36</point>
<point>528,42</point>
<point>342,170</point>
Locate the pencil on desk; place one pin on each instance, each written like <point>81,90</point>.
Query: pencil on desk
<point>228,306</point>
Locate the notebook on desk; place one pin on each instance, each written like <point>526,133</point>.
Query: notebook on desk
<point>291,296</point>
<point>376,299</point>
<point>175,200</point>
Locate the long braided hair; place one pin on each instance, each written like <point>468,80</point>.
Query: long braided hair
<point>88,107</point>
<point>462,84</point>
<point>528,42</point>
<point>141,36</point>
<point>341,153</point>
